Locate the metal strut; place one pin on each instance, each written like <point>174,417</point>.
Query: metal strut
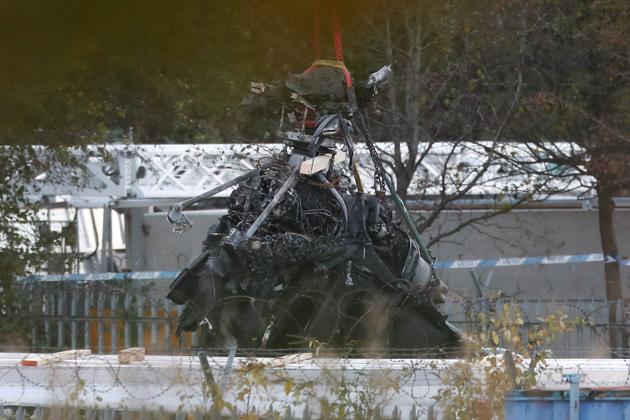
<point>180,222</point>
<point>236,237</point>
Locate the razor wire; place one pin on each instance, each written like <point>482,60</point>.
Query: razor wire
<point>173,386</point>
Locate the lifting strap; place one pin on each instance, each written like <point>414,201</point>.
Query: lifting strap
<point>333,6</point>
<point>336,30</point>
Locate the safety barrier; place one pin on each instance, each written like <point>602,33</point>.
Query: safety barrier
<point>521,261</point>
<point>179,260</point>
<point>299,386</point>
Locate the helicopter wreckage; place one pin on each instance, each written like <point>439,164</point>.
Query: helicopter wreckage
<point>304,254</point>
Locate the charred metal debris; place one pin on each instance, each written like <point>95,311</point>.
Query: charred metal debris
<point>304,253</point>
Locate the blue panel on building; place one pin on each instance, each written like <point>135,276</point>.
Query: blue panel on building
<point>595,404</point>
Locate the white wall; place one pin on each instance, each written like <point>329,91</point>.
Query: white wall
<point>517,234</point>
<point>525,233</point>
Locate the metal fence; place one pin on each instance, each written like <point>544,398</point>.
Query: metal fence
<point>26,412</point>
<point>106,314</point>
<point>589,338</point>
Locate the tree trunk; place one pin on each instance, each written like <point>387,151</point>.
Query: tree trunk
<point>402,184</point>
<point>612,272</point>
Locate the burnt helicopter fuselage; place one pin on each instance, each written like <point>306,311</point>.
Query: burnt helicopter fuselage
<point>305,255</point>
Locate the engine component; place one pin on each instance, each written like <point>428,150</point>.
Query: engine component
<point>303,254</point>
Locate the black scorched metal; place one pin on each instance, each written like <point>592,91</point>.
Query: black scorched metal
<point>304,254</point>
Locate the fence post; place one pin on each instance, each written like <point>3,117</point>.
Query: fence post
<point>47,310</point>
<point>154,327</point>
<point>60,313</point>
<point>73,315</point>
<point>35,318</point>
<point>100,306</point>
<point>114,322</point>
<point>167,324</point>
<point>140,323</point>
<point>87,301</point>
<point>620,330</point>
<point>574,395</point>
<point>127,307</point>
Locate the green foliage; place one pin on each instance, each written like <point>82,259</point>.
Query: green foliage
<point>176,73</point>
<point>360,395</point>
<point>500,358</point>
<point>577,83</point>
<point>170,72</point>
<point>25,244</point>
